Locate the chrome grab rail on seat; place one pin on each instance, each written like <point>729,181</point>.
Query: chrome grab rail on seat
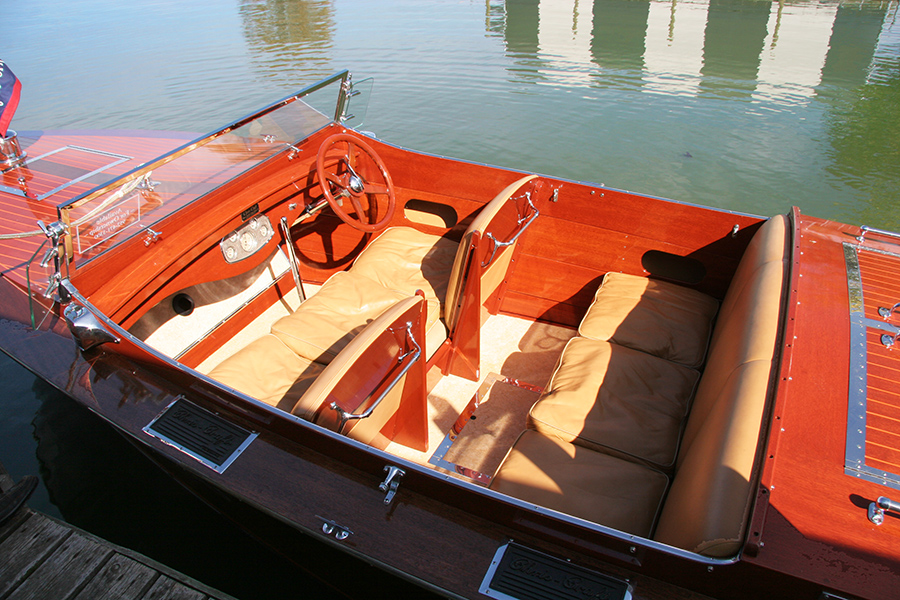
<point>527,223</point>
<point>347,416</point>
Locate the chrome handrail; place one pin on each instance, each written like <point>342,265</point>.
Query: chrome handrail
<point>861,238</point>
<point>498,244</point>
<point>348,416</point>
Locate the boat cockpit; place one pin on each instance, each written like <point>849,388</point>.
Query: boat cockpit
<point>576,350</point>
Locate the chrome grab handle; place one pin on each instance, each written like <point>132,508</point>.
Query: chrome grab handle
<point>861,238</point>
<point>877,508</point>
<point>527,223</point>
<point>417,353</point>
<point>286,231</point>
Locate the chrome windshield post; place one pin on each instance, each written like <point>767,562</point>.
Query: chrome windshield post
<point>55,232</point>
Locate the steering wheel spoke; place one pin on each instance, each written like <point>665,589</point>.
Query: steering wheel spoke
<point>353,184</point>
<point>374,188</point>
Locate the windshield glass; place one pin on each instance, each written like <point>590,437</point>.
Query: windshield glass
<point>104,217</point>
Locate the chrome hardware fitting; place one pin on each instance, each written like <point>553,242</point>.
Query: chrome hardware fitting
<point>877,508</point>
<point>865,229</point>
<point>416,354</point>
<point>555,196</point>
<point>86,328</point>
<point>390,485</point>
<point>523,222</point>
<point>11,154</point>
<point>885,313</point>
<point>734,230</point>
<point>889,340</point>
<point>289,243</point>
<point>54,232</point>
<point>293,152</point>
<point>152,237</point>
<point>329,527</point>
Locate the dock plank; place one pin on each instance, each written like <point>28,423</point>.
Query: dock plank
<point>120,578</point>
<point>43,558</point>
<point>65,570</point>
<point>25,548</point>
<point>169,589</point>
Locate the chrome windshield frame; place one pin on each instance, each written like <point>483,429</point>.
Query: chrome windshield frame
<point>139,176</point>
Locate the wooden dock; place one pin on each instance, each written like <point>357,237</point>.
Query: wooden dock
<point>42,558</point>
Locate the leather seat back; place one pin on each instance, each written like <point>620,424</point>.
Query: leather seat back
<point>708,504</point>
<point>496,269</point>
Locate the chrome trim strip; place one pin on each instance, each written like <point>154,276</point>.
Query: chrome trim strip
<point>857,393</point>
<point>405,464</point>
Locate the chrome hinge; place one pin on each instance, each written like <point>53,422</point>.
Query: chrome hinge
<point>329,527</point>
<point>390,485</point>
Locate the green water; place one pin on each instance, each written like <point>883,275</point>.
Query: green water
<point>746,105</point>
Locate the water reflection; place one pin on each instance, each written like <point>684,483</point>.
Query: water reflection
<point>287,36</point>
<point>774,53</point>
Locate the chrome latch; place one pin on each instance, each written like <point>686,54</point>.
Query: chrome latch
<point>152,237</point>
<point>390,485</point>
<point>329,527</point>
<point>877,508</point>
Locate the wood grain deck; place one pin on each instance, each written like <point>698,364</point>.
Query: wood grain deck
<point>44,558</point>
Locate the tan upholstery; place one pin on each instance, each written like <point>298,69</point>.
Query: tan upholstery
<point>581,482</point>
<point>479,224</point>
<point>657,317</point>
<point>326,322</point>
<point>313,405</point>
<point>404,259</point>
<point>268,370</point>
<point>602,394</point>
<point>707,506</point>
<point>709,502</point>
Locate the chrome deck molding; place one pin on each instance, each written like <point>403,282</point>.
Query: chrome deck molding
<point>855,450</point>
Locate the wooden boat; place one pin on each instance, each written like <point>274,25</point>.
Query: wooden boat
<point>490,382</point>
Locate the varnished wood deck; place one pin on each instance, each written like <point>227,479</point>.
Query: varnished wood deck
<point>43,558</point>
<point>47,168</point>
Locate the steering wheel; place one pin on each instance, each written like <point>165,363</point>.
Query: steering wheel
<point>345,182</point>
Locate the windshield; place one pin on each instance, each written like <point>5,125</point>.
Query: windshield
<point>108,215</point>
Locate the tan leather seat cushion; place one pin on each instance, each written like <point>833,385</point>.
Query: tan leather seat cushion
<point>718,449</point>
<point>660,318</point>
<point>326,322</point>
<point>602,394</point>
<point>581,482</point>
<point>269,371</point>
<point>404,259</point>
